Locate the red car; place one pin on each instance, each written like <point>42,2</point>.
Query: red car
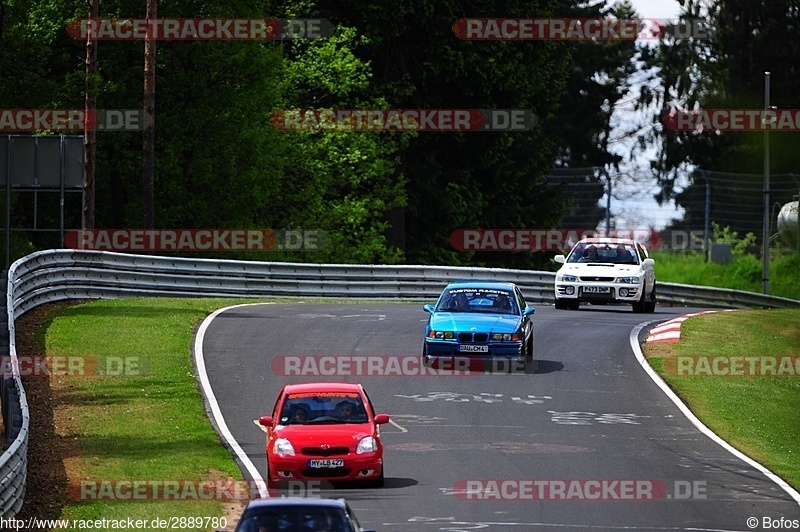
<point>324,431</point>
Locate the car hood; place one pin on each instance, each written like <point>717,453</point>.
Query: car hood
<point>601,270</point>
<point>346,434</point>
<point>465,321</point>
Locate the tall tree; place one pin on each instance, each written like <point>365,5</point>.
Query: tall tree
<point>747,38</point>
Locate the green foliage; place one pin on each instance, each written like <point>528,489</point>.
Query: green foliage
<point>382,197</point>
<point>725,235</point>
<point>344,183</point>
<point>726,71</point>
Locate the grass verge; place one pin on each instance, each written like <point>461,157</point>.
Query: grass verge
<point>146,423</point>
<point>757,414</point>
<point>742,273</point>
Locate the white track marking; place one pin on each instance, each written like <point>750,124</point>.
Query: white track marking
<point>216,413</point>
<point>398,426</point>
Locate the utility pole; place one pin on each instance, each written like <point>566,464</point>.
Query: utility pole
<point>149,136</point>
<point>765,236</point>
<point>90,122</point>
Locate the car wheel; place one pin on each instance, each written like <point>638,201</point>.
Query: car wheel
<point>561,304</point>
<point>273,486</point>
<point>639,306</point>
<point>573,305</point>
<point>650,306</point>
<point>378,482</point>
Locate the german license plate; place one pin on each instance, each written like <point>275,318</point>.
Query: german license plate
<point>474,348</point>
<point>326,464</point>
<point>596,289</point>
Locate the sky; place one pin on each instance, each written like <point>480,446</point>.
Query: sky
<point>632,203</point>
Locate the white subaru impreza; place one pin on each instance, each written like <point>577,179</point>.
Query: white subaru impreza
<point>606,271</point>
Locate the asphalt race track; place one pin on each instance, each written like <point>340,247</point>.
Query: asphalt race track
<point>589,421</point>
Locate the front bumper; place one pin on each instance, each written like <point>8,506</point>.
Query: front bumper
<point>356,468</point>
<point>451,354</point>
<point>598,292</point>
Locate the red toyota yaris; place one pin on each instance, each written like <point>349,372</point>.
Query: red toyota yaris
<point>324,431</point>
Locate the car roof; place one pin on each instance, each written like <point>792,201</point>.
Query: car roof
<point>295,501</point>
<point>323,387</point>
<point>607,240</point>
<point>472,283</point>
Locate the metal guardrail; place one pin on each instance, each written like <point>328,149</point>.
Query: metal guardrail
<point>55,275</point>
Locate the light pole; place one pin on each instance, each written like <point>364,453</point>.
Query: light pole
<point>765,243</point>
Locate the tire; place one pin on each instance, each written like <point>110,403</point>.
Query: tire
<point>650,306</point>
<point>378,482</point>
<point>640,306</point>
<point>529,349</point>
<point>273,486</point>
<point>561,304</point>
<point>573,305</point>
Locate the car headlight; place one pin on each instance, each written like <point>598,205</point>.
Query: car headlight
<point>628,280</point>
<point>367,445</point>
<point>441,335</point>
<point>566,278</point>
<point>283,447</point>
<point>506,337</point>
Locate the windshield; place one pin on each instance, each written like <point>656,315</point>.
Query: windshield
<point>477,300</point>
<point>323,407</point>
<point>604,253</point>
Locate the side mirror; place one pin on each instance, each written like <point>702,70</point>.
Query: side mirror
<point>649,262</point>
<point>528,311</point>
<point>382,419</point>
<point>561,259</point>
<point>265,421</point>
<point>428,308</point>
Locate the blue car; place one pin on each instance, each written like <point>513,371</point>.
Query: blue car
<point>479,324</point>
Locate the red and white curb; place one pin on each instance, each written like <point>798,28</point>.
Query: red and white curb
<point>670,331</point>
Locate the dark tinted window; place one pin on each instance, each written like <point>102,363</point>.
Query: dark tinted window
<point>295,518</point>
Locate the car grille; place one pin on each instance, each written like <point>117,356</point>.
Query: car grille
<point>325,473</point>
<point>473,337</point>
<point>317,451</point>
<point>596,279</point>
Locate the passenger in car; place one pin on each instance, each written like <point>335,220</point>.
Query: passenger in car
<point>624,256</point>
<point>590,255</point>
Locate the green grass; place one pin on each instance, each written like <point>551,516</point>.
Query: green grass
<point>148,427</point>
<point>743,272</point>
<point>757,415</point>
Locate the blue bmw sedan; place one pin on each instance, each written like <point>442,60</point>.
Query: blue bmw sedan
<point>479,325</point>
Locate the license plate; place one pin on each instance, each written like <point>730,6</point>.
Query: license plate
<point>474,348</point>
<point>326,464</point>
<point>596,289</point>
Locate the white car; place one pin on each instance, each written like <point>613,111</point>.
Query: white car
<point>605,271</point>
